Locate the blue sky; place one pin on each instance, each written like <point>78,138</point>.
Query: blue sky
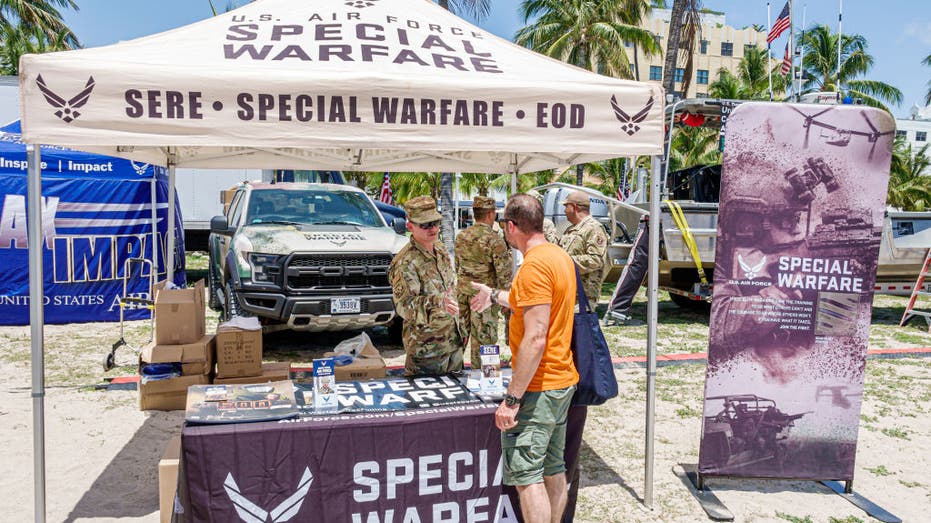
<point>898,31</point>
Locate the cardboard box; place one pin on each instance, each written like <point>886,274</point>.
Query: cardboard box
<point>368,364</point>
<point>239,352</point>
<point>180,314</point>
<point>168,479</point>
<point>270,372</point>
<point>170,394</point>
<point>195,358</point>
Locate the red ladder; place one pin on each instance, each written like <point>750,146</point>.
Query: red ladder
<point>918,290</point>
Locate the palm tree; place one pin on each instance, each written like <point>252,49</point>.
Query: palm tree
<point>405,186</point>
<point>590,34</point>
<point>16,41</point>
<point>479,9</point>
<point>40,15</point>
<point>684,33</point>
<point>820,67</point>
<point>909,189</point>
<point>693,146</point>
<point>927,61</point>
<point>750,81</point>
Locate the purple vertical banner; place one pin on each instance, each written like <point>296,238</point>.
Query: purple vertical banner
<point>803,190</point>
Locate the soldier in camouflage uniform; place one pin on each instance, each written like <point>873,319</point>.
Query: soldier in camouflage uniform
<point>549,228</point>
<point>483,257</point>
<point>423,283</point>
<point>587,244</point>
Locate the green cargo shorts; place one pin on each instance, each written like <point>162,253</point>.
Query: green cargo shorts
<point>534,447</point>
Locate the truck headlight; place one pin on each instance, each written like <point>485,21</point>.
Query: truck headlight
<point>265,268</point>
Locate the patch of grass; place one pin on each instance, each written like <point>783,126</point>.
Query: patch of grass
<point>907,337</point>
<point>688,412</point>
<point>869,419</point>
<point>910,484</point>
<point>848,519</point>
<point>896,432</point>
<point>880,471</point>
<point>793,519</point>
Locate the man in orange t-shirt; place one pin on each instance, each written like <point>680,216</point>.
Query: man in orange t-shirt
<point>533,415</point>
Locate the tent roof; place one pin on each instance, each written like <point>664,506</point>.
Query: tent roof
<point>394,85</point>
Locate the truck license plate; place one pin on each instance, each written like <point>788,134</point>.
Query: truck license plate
<point>344,305</point>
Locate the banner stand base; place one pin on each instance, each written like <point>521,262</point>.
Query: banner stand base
<point>872,509</point>
<point>710,503</point>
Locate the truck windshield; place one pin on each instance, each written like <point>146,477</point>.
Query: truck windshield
<point>312,207</point>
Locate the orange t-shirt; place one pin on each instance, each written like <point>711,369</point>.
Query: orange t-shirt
<point>547,275</point>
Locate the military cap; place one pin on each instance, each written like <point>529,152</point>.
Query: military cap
<point>483,202</point>
<point>578,198</point>
<point>536,194</point>
<point>422,209</point>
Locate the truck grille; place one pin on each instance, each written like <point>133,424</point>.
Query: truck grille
<point>338,272</point>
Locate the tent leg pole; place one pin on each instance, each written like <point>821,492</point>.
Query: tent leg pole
<point>154,198</point>
<point>37,322</point>
<point>652,290</point>
<point>169,256</point>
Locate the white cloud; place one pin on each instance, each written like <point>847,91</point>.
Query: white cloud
<point>920,31</point>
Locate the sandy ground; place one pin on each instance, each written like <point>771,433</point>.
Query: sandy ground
<point>102,452</point>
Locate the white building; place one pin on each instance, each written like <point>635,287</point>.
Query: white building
<point>917,128</point>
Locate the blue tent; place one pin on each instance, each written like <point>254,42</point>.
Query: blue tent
<point>97,212</point>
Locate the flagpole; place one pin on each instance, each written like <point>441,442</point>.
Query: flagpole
<point>801,60</point>
<point>840,36</point>
<point>792,50</point>
<point>769,65</point>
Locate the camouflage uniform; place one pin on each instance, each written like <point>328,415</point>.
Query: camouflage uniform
<point>587,245</point>
<point>419,280</point>
<point>481,256</point>
<point>549,228</point>
<point>549,231</point>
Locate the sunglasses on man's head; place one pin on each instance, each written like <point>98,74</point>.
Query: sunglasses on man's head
<point>427,226</point>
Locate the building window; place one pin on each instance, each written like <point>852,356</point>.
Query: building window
<point>903,134</point>
<point>704,47</point>
<point>748,47</point>
<point>727,49</point>
<point>633,73</point>
<point>628,43</point>
<point>702,76</point>
<point>701,95</point>
<point>680,74</point>
<point>656,73</point>
<point>921,136</point>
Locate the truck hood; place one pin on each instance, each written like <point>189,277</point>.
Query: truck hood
<point>286,239</point>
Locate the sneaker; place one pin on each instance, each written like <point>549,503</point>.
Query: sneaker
<point>618,319</point>
<point>614,319</point>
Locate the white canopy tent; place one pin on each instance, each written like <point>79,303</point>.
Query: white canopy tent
<point>369,85</point>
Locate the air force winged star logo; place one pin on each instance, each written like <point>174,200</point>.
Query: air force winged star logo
<point>252,513</point>
<point>751,272</point>
<point>67,109</point>
<point>628,122</point>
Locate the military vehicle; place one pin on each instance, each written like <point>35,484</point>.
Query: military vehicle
<point>747,429</point>
<point>303,256</point>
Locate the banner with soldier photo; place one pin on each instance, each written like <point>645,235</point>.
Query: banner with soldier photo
<point>803,191</point>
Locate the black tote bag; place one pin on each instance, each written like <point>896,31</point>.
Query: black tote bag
<point>590,353</point>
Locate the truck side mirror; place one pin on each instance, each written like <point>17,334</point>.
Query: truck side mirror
<point>219,225</point>
<point>400,225</point>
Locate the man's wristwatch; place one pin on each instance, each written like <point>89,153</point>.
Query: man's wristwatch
<point>494,296</point>
<point>510,400</point>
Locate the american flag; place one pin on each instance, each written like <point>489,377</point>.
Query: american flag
<point>385,196</point>
<point>786,61</point>
<point>782,23</point>
<point>622,189</point>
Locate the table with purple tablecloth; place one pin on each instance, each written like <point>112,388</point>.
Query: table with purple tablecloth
<point>426,464</point>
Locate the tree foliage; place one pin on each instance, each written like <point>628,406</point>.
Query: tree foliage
<point>15,41</point>
<point>590,34</point>
<point>750,82</point>
<point>909,180</point>
<point>822,74</point>
<point>38,17</point>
